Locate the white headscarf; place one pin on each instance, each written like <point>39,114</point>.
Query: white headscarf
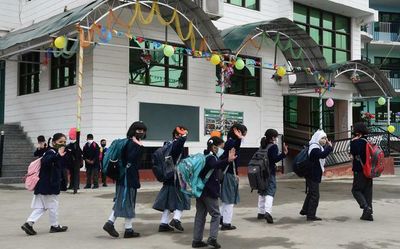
<point>314,143</point>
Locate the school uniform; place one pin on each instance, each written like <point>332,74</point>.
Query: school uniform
<point>362,186</point>
<point>103,150</point>
<point>75,162</point>
<point>170,198</point>
<point>266,197</point>
<point>91,152</point>
<point>229,185</point>
<point>40,151</point>
<point>208,201</point>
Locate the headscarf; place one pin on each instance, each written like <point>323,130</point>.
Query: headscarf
<point>314,143</point>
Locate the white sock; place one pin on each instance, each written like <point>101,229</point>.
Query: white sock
<point>128,223</point>
<point>178,214</point>
<point>261,204</point>
<point>165,217</point>
<point>112,218</point>
<point>268,204</point>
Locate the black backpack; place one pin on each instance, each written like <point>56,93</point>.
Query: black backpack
<point>163,164</point>
<point>258,169</point>
<point>302,165</point>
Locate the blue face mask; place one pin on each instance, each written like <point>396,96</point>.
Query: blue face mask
<point>220,152</point>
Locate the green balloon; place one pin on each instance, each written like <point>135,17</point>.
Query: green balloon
<point>381,101</point>
<point>168,50</point>
<point>239,64</point>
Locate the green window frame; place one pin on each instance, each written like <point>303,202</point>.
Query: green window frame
<point>329,30</point>
<point>248,4</point>
<point>29,72</point>
<point>63,71</point>
<point>162,71</point>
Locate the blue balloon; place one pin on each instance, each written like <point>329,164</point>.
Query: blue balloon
<point>106,35</point>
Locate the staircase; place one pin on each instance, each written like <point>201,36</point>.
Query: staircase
<point>17,153</point>
<point>396,157</point>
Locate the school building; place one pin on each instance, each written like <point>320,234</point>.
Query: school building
<point>127,77</point>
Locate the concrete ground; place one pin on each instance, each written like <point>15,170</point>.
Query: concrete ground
<point>86,212</point>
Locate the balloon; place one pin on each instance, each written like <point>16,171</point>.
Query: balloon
<point>215,133</point>
<point>391,128</point>
<point>168,50</point>
<point>281,71</point>
<point>60,42</point>
<point>239,64</point>
<point>381,101</point>
<point>105,36</point>
<point>215,59</point>
<point>329,102</point>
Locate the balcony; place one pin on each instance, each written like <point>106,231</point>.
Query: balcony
<point>394,78</point>
<point>383,31</point>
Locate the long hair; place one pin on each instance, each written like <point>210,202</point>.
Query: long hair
<point>242,128</point>
<point>138,125</point>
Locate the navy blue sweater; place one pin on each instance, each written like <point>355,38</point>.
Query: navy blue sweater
<point>274,157</point>
<point>176,151</point>
<point>92,152</point>
<point>232,143</point>
<point>131,157</point>
<point>212,187</point>
<point>315,155</point>
<point>357,149</point>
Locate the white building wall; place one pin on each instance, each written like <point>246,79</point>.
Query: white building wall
<point>9,14</point>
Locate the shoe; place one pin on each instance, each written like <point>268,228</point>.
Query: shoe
<point>28,229</point>
<point>221,220</point>
<point>165,228</point>
<point>75,191</point>
<point>198,244</point>
<point>176,224</point>
<point>269,218</point>
<point>367,214</point>
<point>105,185</point>
<point>260,216</point>
<point>303,212</point>
<point>58,229</point>
<point>109,228</point>
<point>70,187</point>
<point>95,186</point>
<point>87,186</point>
<point>129,233</point>
<point>314,218</point>
<point>213,242</point>
<point>226,227</point>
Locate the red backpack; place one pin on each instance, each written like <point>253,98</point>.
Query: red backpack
<point>373,166</point>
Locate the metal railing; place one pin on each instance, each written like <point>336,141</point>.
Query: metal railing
<point>383,31</point>
<point>393,77</point>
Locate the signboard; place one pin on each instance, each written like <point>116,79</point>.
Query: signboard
<point>212,119</point>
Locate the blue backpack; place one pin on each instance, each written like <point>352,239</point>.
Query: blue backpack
<point>112,161</point>
<point>163,164</point>
<point>189,174</point>
<point>301,163</point>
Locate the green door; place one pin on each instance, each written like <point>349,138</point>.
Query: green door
<point>2,83</point>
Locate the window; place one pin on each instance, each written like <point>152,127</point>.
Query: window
<point>152,68</point>
<point>249,4</point>
<point>245,82</point>
<point>29,70</point>
<point>330,31</point>
<point>389,17</point>
<point>63,71</point>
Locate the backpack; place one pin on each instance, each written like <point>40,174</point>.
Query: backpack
<point>301,163</point>
<point>373,166</point>
<point>32,176</point>
<point>258,169</point>
<point>112,161</point>
<point>163,164</point>
<point>189,174</point>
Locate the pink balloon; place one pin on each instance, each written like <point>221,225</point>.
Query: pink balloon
<point>329,102</point>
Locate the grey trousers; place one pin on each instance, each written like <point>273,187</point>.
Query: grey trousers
<point>362,190</point>
<point>206,205</point>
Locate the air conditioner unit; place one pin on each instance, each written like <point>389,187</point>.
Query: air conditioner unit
<point>214,8</point>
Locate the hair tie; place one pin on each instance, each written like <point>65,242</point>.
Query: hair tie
<point>210,141</point>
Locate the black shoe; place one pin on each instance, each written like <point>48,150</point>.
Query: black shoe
<point>226,227</point>
<point>367,214</point>
<point>95,186</point>
<point>213,242</point>
<point>58,229</point>
<point>28,229</point>
<point>109,228</point>
<point>198,244</point>
<point>75,191</point>
<point>70,187</point>
<point>87,186</point>
<point>176,224</point>
<point>165,228</point>
<point>303,212</point>
<point>105,185</point>
<point>314,218</point>
<point>260,216</point>
<point>269,218</point>
<point>129,233</point>
<point>221,220</point>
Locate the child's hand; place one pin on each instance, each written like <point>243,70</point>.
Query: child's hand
<point>61,151</point>
<point>181,131</point>
<point>238,133</point>
<point>285,149</point>
<point>232,155</point>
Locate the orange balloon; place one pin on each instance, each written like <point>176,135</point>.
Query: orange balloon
<point>215,134</point>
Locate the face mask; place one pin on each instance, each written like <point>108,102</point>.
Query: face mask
<point>139,136</point>
<point>220,151</point>
<point>103,145</point>
<point>57,146</point>
<point>90,141</point>
<point>72,141</point>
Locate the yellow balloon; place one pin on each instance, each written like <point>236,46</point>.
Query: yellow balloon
<point>60,42</point>
<point>215,59</point>
<point>281,71</point>
<point>391,129</point>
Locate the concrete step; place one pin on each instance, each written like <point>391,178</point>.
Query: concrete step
<point>13,173</point>
<point>11,180</point>
<point>13,156</point>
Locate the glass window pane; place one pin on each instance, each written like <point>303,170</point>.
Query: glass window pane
<point>251,4</point>
<point>342,24</point>
<point>327,38</point>
<point>314,17</point>
<point>328,54</point>
<point>252,87</point>
<point>300,13</point>
<point>157,76</point>
<point>176,78</point>
<point>177,59</point>
<point>314,33</point>
<point>341,41</point>
<point>327,20</point>
<point>237,85</point>
<point>341,56</point>
<point>236,2</point>
<point>302,26</point>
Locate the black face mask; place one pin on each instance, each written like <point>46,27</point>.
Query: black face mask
<point>139,136</point>
<point>103,145</point>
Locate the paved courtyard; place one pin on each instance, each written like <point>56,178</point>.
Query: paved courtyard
<point>86,212</point>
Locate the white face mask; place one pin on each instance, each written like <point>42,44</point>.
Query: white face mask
<point>89,141</point>
<point>220,151</point>
<point>72,141</point>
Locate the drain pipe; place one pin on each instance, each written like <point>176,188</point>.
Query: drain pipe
<point>1,151</point>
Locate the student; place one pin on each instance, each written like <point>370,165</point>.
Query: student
<point>266,197</point>
<point>75,161</point>
<point>320,148</point>
<point>103,150</point>
<point>170,198</point>
<point>362,186</point>
<point>230,182</point>
<point>41,147</point>
<point>127,186</point>
<point>47,189</point>
<point>91,152</point>
<point>208,201</point>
